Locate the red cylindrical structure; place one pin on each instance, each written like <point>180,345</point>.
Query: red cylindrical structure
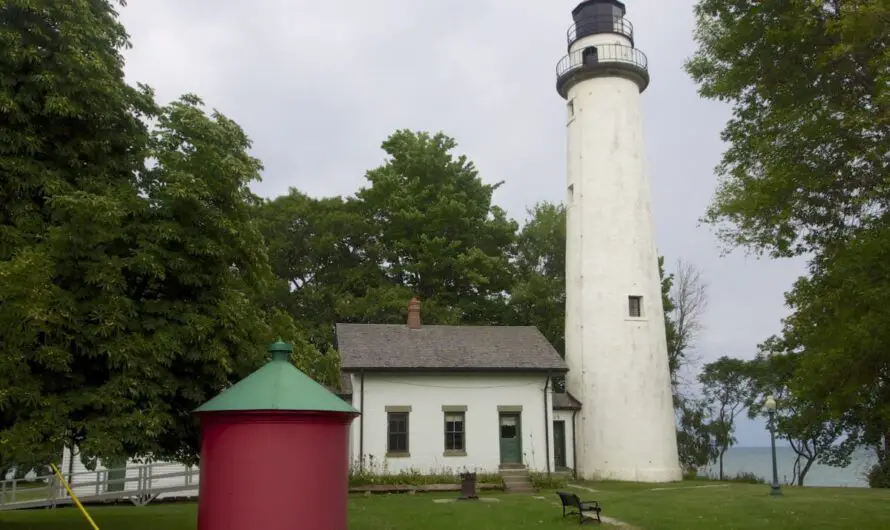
<point>274,452</point>
<point>274,470</point>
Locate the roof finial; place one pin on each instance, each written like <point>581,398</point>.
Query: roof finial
<point>280,350</point>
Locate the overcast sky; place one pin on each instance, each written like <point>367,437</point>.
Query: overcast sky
<point>318,85</point>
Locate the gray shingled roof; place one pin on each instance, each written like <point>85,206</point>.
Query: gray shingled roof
<point>565,401</point>
<point>445,348</point>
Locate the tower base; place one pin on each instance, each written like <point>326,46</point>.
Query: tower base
<point>653,475</point>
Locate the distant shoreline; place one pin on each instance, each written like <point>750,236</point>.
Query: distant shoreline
<point>757,460</point>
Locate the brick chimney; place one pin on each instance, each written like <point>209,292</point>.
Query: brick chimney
<point>414,313</point>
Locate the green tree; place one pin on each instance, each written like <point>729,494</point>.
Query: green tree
<point>318,248</point>
<point>538,296</point>
<point>806,174</point>
<point>425,226</point>
<point>808,426</point>
<point>696,441</point>
<point>71,141</point>
<point>200,314</point>
<point>670,327</point>
<point>133,278</point>
<point>840,320</point>
<point>726,385</point>
<point>434,233</point>
<point>809,84</point>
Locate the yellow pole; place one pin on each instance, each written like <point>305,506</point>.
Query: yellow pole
<point>74,497</point>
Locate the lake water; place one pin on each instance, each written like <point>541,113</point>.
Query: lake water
<point>758,460</point>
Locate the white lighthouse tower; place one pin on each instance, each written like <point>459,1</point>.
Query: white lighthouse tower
<point>615,334</point>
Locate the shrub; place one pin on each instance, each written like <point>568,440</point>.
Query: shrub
<point>747,477</point>
<point>542,481</point>
<point>879,475</point>
<point>692,474</point>
<point>372,473</point>
<point>743,476</point>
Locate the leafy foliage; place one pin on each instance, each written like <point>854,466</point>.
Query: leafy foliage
<point>726,386</point>
<point>674,347</point>
<point>435,232</point>
<point>808,426</point>
<point>71,140</point>
<point>840,321</point>
<point>134,282</point>
<point>807,161</point>
<point>425,226</point>
<point>696,443</point>
<point>200,276</point>
<point>807,173</point>
<point>317,248</point>
<point>369,471</point>
<point>879,475</point>
<point>539,294</point>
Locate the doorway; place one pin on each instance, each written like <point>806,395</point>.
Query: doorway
<point>559,444</point>
<point>511,437</point>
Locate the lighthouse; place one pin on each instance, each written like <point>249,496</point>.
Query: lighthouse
<point>615,332</point>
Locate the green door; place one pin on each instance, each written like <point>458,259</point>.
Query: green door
<point>559,443</point>
<point>511,438</point>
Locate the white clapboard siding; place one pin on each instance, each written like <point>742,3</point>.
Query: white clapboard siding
<point>82,479</point>
<point>166,468</point>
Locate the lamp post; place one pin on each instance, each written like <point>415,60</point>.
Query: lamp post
<point>771,411</point>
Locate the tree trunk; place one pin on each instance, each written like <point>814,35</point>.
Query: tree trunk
<point>70,462</point>
<point>722,451</point>
<point>803,472</point>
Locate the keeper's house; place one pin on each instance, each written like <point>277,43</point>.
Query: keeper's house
<point>449,398</point>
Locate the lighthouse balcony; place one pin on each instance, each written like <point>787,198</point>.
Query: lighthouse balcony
<point>600,24</point>
<point>605,60</point>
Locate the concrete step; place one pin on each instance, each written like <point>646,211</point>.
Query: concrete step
<point>516,479</point>
<point>516,476</point>
<point>516,483</point>
<point>522,490</point>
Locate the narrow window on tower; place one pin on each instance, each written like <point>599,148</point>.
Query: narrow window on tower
<point>570,106</point>
<point>571,193</point>
<point>635,306</point>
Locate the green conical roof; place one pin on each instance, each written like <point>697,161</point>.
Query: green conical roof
<point>278,385</point>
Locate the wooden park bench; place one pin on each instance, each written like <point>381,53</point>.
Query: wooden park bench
<point>572,502</point>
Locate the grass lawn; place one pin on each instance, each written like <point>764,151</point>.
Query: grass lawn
<point>742,506</point>
<point>683,506</point>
